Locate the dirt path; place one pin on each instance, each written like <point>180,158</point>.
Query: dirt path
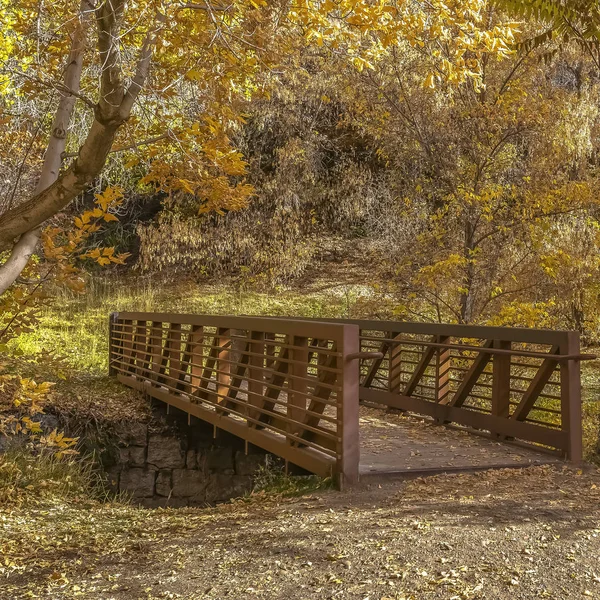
<point>531,533</point>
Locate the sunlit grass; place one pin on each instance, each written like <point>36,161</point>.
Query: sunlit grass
<point>76,326</point>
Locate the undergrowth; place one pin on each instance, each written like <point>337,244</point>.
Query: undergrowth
<point>32,477</point>
<point>272,479</point>
<point>76,326</point>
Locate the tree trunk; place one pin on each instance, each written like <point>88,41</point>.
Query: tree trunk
<point>24,248</point>
<point>466,297</point>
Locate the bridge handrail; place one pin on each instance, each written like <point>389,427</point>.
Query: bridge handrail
<point>287,386</point>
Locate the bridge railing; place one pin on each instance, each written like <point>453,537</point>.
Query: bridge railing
<point>287,386</point>
<point>516,384</point>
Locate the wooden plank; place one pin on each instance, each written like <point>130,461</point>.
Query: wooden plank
<point>196,359</point>
<point>189,362</point>
<point>114,343</point>
<point>298,385</point>
<point>169,351</point>
<point>256,372</point>
<point>419,371</point>
<point>501,381</point>
<point>222,363</point>
<point>175,350</point>
<point>276,379</point>
<point>322,392</point>
<point>375,365</point>
<point>127,345</point>
<point>156,350</point>
<point>536,386</point>
<point>140,348</point>
<point>471,376</point>
<point>443,364</point>
<point>239,374</point>
<point>203,392</point>
<point>395,365</point>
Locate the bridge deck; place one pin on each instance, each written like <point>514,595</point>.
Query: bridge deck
<point>394,444</point>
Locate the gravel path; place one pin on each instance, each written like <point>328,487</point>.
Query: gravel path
<point>508,534</point>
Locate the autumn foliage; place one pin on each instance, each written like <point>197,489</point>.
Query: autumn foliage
<point>457,139</point>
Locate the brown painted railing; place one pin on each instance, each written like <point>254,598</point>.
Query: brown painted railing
<point>291,386</point>
<point>517,384</point>
<point>287,386</point>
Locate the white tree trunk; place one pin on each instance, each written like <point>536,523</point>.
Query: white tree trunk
<point>24,248</point>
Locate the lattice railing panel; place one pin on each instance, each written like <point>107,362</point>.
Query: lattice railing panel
<point>281,384</point>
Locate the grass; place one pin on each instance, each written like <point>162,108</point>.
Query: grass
<point>76,327</point>
<point>31,477</point>
<point>273,480</point>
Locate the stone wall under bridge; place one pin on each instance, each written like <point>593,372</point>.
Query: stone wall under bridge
<point>169,462</point>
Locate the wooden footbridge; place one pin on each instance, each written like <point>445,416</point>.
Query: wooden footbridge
<point>294,387</point>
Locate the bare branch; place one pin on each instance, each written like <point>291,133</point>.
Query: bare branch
<point>109,16</point>
<point>142,69</point>
<point>131,146</point>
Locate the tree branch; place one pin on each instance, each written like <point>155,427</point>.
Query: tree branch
<point>30,235</point>
<point>142,69</point>
<point>131,146</point>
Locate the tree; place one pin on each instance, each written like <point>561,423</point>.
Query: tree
<point>479,172</point>
<point>163,81</point>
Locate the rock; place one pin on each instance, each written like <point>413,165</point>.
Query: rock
<point>188,483</point>
<point>139,482</point>
<point>163,483</point>
<point>220,459</point>
<point>137,456</point>
<point>164,452</point>
<point>224,487</point>
<point>191,461</point>
<point>248,464</point>
<point>132,434</point>
<point>123,456</point>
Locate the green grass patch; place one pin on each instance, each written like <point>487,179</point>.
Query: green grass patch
<point>76,326</point>
<point>272,480</point>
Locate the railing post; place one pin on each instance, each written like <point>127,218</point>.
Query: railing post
<point>114,316</point>
<point>501,380</point>
<point>347,409</point>
<point>442,371</point>
<point>570,392</point>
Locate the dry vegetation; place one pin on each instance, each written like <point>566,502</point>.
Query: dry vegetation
<point>532,533</point>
